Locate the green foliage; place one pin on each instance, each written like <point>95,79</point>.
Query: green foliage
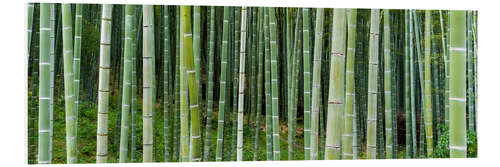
<point>442,149</point>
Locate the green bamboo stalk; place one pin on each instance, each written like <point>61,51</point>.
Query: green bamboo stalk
<point>235,81</point>
<point>428,100</point>
<point>274,84</point>
<point>166,98</point>
<point>252,71</point>
<point>210,86</point>
<point>30,53</point>
<point>446,65</point>
<point>307,85</point>
<point>269,144</point>
<point>104,68</point>
<point>260,60</point>
<point>336,88</point>
<point>76,58</point>
<point>127,72</point>
<point>34,74</point>
<point>349,137</point>
<point>458,147</point>
<point>147,88</point>
<point>413,89</point>
<point>470,103</point>
<point>419,58</point>
<point>408,124</point>
<point>447,72</point>
<point>177,88</point>
<point>197,54</point>
<point>372,85</point>
<point>195,152</point>
<point>184,111</point>
<point>44,86</point>
<point>318,42</point>
<point>290,40</point>
<point>71,154</point>
<point>222,87</point>
<point>52,62</point>
<point>133,139</point>
<point>387,85</point>
<point>474,35</point>
<point>296,74</point>
<point>292,63</point>
<point>241,83</point>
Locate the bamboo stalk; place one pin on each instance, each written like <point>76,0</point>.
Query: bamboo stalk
<point>318,42</point>
<point>274,84</point>
<point>349,135</point>
<point>269,144</point>
<point>71,154</point>
<point>44,86</point>
<point>260,60</point>
<point>239,152</point>
<point>307,85</point>
<point>147,100</point>
<point>458,147</point>
<point>104,68</point>
<point>372,85</point>
<point>222,87</point>
<point>334,131</point>
<point>428,101</point>
<point>387,85</point>
<point>127,72</point>
<point>210,87</point>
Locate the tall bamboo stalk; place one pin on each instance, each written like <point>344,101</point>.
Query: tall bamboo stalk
<point>428,108</point>
<point>52,79</point>
<point>349,137</point>
<point>147,88</point>
<point>470,75</point>
<point>269,144</point>
<point>127,79</point>
<point>458,147</point>
<point>71,154</point>
<point>44,86</point>
<point>166,88</point>
<point>195,152</point>
<point>372,85</point>
<point>176,123</point>
<point>260,60</point>
<point>291,92</point>
<point>318,42</point>
<point>307,84</point>
<point>336,88</point>
<point>137,23</point>
<point>413,89</point>
<point>407,88</point>
<point>103,96</point>
<point>239,147</point>
<point>236,51</point>
<point>76,58</point>
<point>222,87</point>
<point>274,84</point>
<point>210,86</point>
<point>387,85</point>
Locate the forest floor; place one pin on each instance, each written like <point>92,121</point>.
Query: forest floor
<point>87,127</point>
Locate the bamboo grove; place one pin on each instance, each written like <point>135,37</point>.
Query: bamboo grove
<point>157,83</point>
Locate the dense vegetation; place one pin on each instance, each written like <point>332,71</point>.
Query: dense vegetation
<point>155,83</point>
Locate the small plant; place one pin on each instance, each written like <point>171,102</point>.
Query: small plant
<point>443,149</point>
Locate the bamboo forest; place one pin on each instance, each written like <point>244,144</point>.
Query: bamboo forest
<point>110,83</point>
